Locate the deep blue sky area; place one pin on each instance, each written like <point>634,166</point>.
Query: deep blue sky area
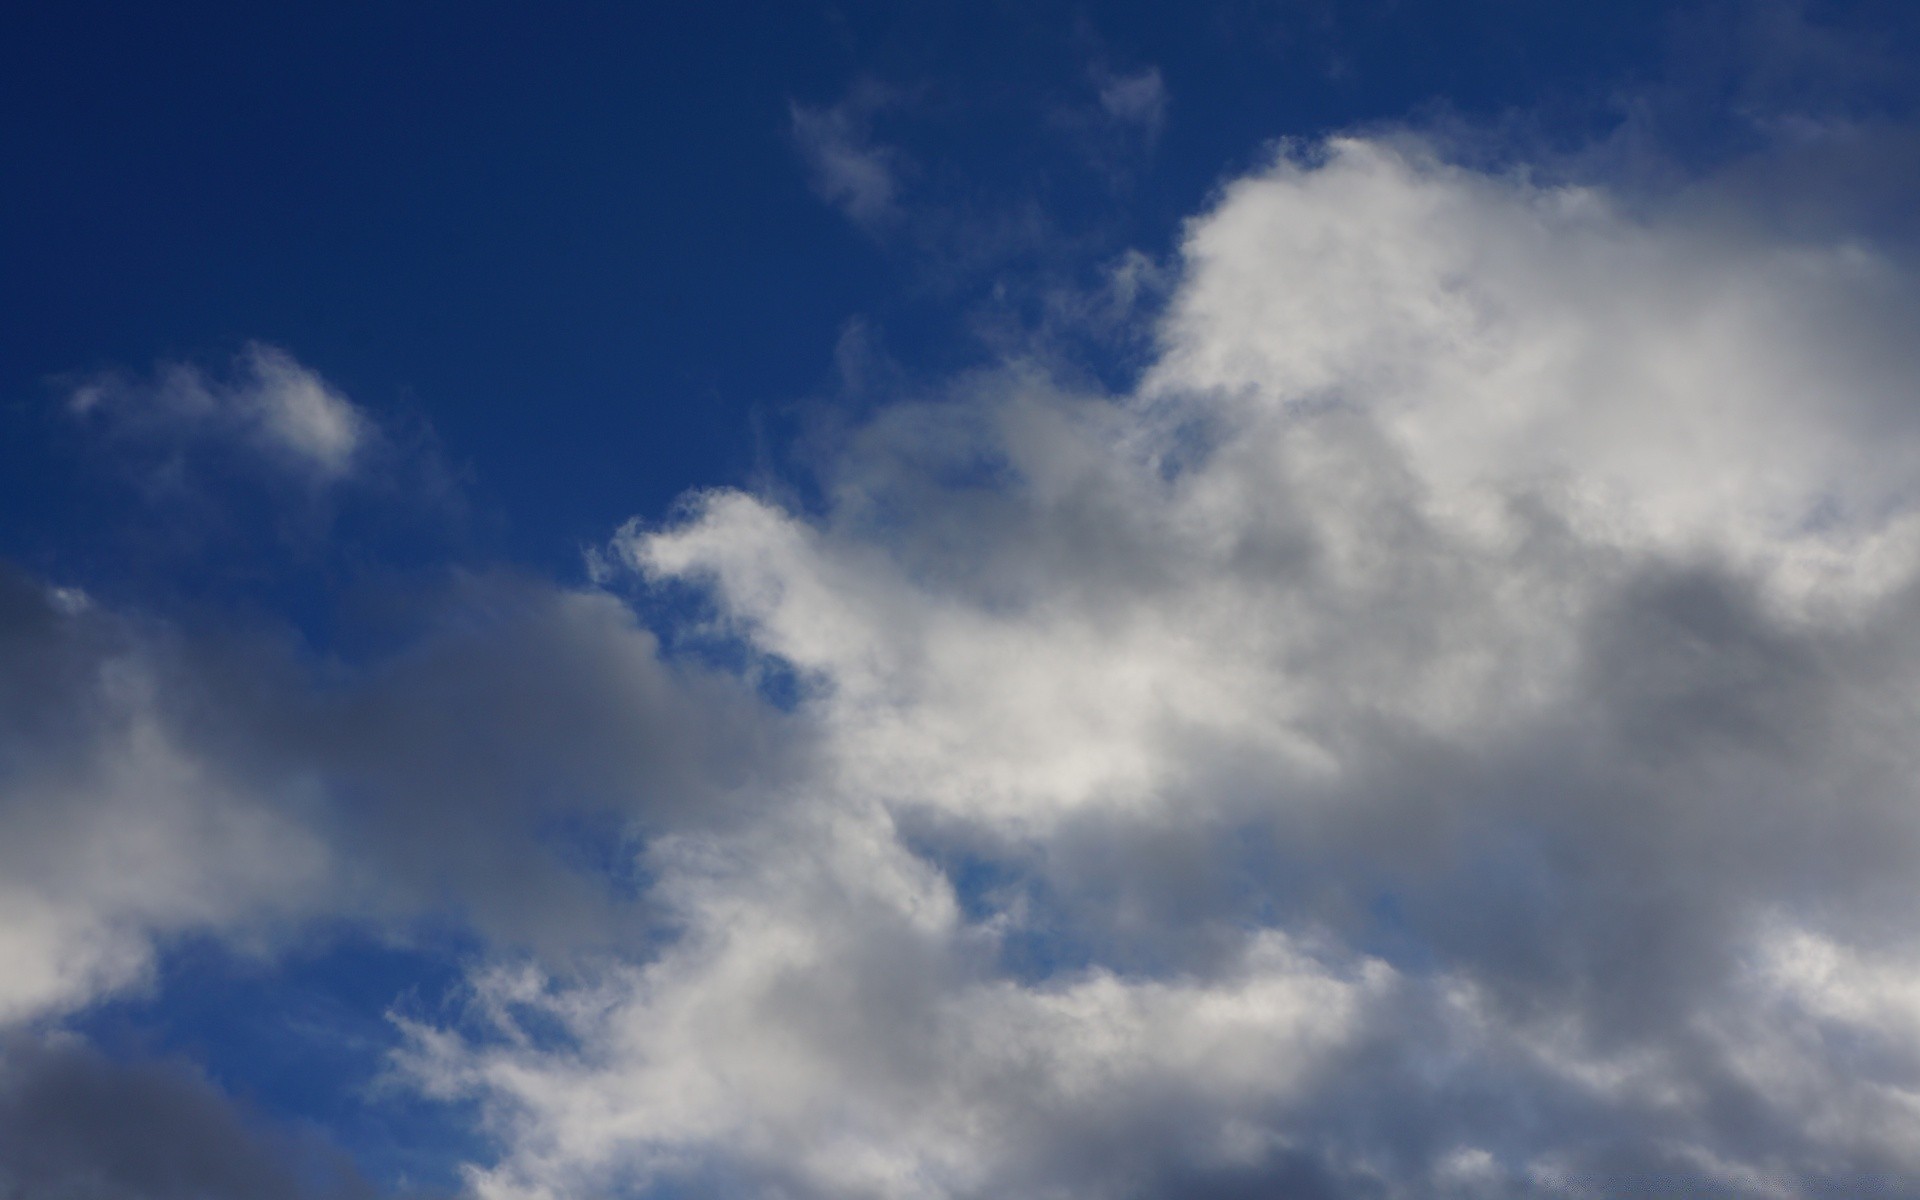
<point>574,261</point>
<point>577,243</point>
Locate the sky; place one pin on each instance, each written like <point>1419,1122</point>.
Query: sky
<point>936,601</point>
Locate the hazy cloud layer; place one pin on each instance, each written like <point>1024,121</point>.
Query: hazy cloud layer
<point>1448,732</point>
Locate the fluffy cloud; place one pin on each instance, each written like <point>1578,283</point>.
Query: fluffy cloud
<point>115,828</point>
<point>157,782</point>
<point>162,784</point>
<point>1446,732</point>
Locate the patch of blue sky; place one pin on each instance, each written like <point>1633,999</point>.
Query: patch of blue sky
<point>598,843</point>
<point>305,1037</point>
<point>1034,938</point>
<point>601,216</point>
<point>692,629</point>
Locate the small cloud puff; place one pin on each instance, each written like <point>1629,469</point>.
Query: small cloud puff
<point>270,405</point>
<point>1138,99</point>
<point>848,169</point>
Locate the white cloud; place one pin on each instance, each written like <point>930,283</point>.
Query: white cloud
<point>270,405</point>
<point>824,1014</point>
<point>1356,762</point>
<point>1690,385</point>
<point>1448,729</point>
<point>292,409</point>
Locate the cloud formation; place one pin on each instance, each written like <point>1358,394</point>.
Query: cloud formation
<point>164,786</point>
<point>159,783</point>
<point>117,825</point>
<point>1446,732</point>
<point>271,406</point>
<point>75,1125</point>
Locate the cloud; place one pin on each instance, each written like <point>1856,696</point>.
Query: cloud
<point>76,1125</point>
<point>938,1081</point>
<point>1446,731</point>
<point>160,782</point>
<point>115,826</point>
<point>1138,99</point>
<point>1115,129</point>
<point>846,166</point>
<point>523,728</point>
<point>270,406</point>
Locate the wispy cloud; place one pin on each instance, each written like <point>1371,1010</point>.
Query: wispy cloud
<point>268,405</point>
<point>847,167</point>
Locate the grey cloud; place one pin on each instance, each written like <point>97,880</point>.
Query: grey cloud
<point>157,781</point>
<point>75,1125</point>
<point>115,826</point>
<point>521,709</point>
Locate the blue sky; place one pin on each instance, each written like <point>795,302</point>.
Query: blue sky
<point>469,216</point>
<point>958,600</point>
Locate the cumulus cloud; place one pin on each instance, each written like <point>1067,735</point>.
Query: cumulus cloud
<point>159,782</point>
<point>508,758</point>
<point>270,405</point>
<point>1447,731</point>
<point>115,828</point>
